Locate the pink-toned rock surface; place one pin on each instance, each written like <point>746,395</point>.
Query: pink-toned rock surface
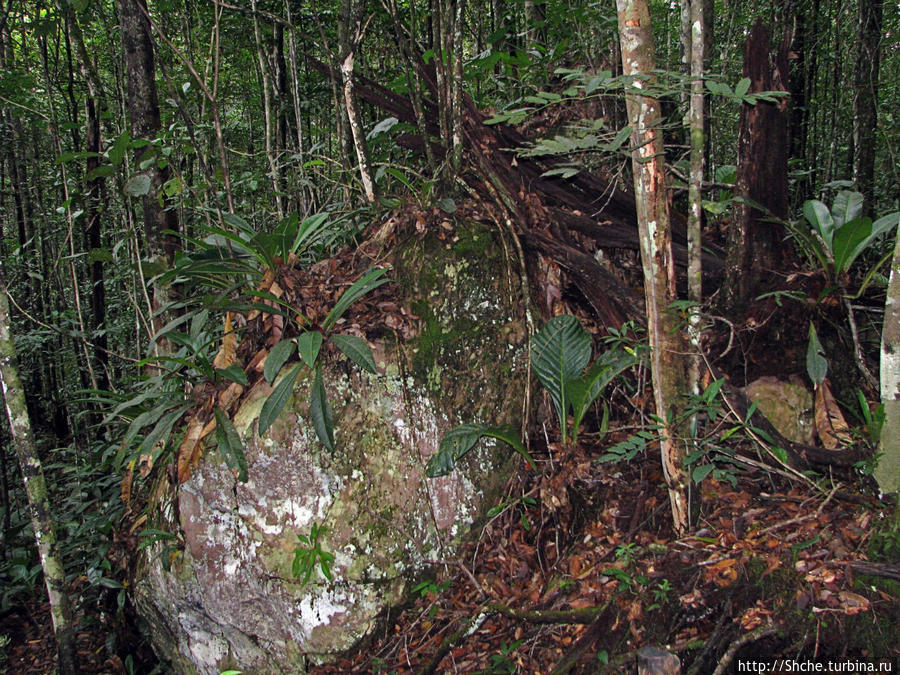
<point>230,599</point>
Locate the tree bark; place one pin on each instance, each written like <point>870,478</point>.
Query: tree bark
<point>143,114</point>
<point>695,197</point>
<point>36,493</point>
<point>667,344</point>
<point>865,99</point>
<point>887,473</point>
<point>756,238</point>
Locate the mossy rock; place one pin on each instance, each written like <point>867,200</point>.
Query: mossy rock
<point>231,599</point>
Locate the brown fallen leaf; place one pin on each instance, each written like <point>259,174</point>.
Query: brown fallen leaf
<point>188,451</point>
<point>853,603</point>
<point>227,352</point>
<point>830,423</point>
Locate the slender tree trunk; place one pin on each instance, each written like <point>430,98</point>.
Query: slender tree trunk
<point>887,473</point>
<point>865,100</point>
<point>695,196</point>
<point>667,345</point>
<point>349,40</point>
<point>36,492</point>
<point>95,190</point>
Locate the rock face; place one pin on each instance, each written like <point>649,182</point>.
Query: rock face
<point>229,598</point>
<point>787,404</point>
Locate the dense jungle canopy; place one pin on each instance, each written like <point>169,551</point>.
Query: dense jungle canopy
<point>680,216</point>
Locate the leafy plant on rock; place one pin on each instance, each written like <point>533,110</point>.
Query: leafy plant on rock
<point>560,352</point>
<point>309,344</point>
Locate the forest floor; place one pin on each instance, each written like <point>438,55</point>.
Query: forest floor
<point>577,569</point>
<point>581,570</point>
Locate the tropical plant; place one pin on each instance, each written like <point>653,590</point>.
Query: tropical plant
<point>560,352</point>
<point>308,344</point>
<point>309,554</point>
<point>837,236</point>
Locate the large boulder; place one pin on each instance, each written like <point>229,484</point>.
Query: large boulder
<point>228,597</point>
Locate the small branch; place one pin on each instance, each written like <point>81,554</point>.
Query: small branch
<point>745,639</point>
<point>563,616</point>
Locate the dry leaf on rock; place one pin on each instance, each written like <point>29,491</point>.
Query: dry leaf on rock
<point>830,423</point>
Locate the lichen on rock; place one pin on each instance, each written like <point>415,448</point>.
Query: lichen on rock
<point>230,598</point>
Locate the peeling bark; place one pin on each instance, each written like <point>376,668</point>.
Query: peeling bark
<point>667,344</point>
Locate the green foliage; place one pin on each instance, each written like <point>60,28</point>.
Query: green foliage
<point>626,450</point>
<point>559,352</point>
<point>309,554</point>
<point>501,663</point>
<point>309,345</point>
<point>230,444</point>
<point>816,365</point>
<point>457,442</point>
<point>838,236</point>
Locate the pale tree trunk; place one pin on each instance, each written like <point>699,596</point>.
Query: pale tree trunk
<point>349,40</point>
<point>456,86</point>
<point>667,345</point>
<point>695,196</point>
<point>36,493</point>
<point>887,473</point>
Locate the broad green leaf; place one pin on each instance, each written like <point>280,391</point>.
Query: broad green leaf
<point>849,241</point>
<point>850,251</point>
<point>368,282</point>
<point>277,399</point>
<point>320,412</point>
<point>234,373</point>
<point>583,391</point>
<point>239,224</point>
<point>819,217</point>
<point>701,472</point>
<point>144,419</point>
<point>742,87</point>
<point>119,148</point>
<point>230,444</point>
<point>847,206</point>
<point>459,440</point>
<point>137,186</point>
<point>101,171</point>
<point>447,205</point>
<point>559,352</point>
<point>357,350</point>
<point>309,229</point>
<point>161,431</point>
<point>277,357</point>
<point>816,365</point>
<point>309,344</point>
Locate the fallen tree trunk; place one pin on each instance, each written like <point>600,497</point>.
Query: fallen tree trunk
<point>547,213</point>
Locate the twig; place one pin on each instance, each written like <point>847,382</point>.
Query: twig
<point>745,639</point>
<point>469,626</point>
<point>564,616</point>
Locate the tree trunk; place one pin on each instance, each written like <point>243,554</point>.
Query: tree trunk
<point>887,472</point>
<point>695,197</point>
<point>865,99</point>
<point>349,39</point>
<point>756,247</point>
<point>36,493</point>
<point>143,114</point>
<point>667,344</point>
